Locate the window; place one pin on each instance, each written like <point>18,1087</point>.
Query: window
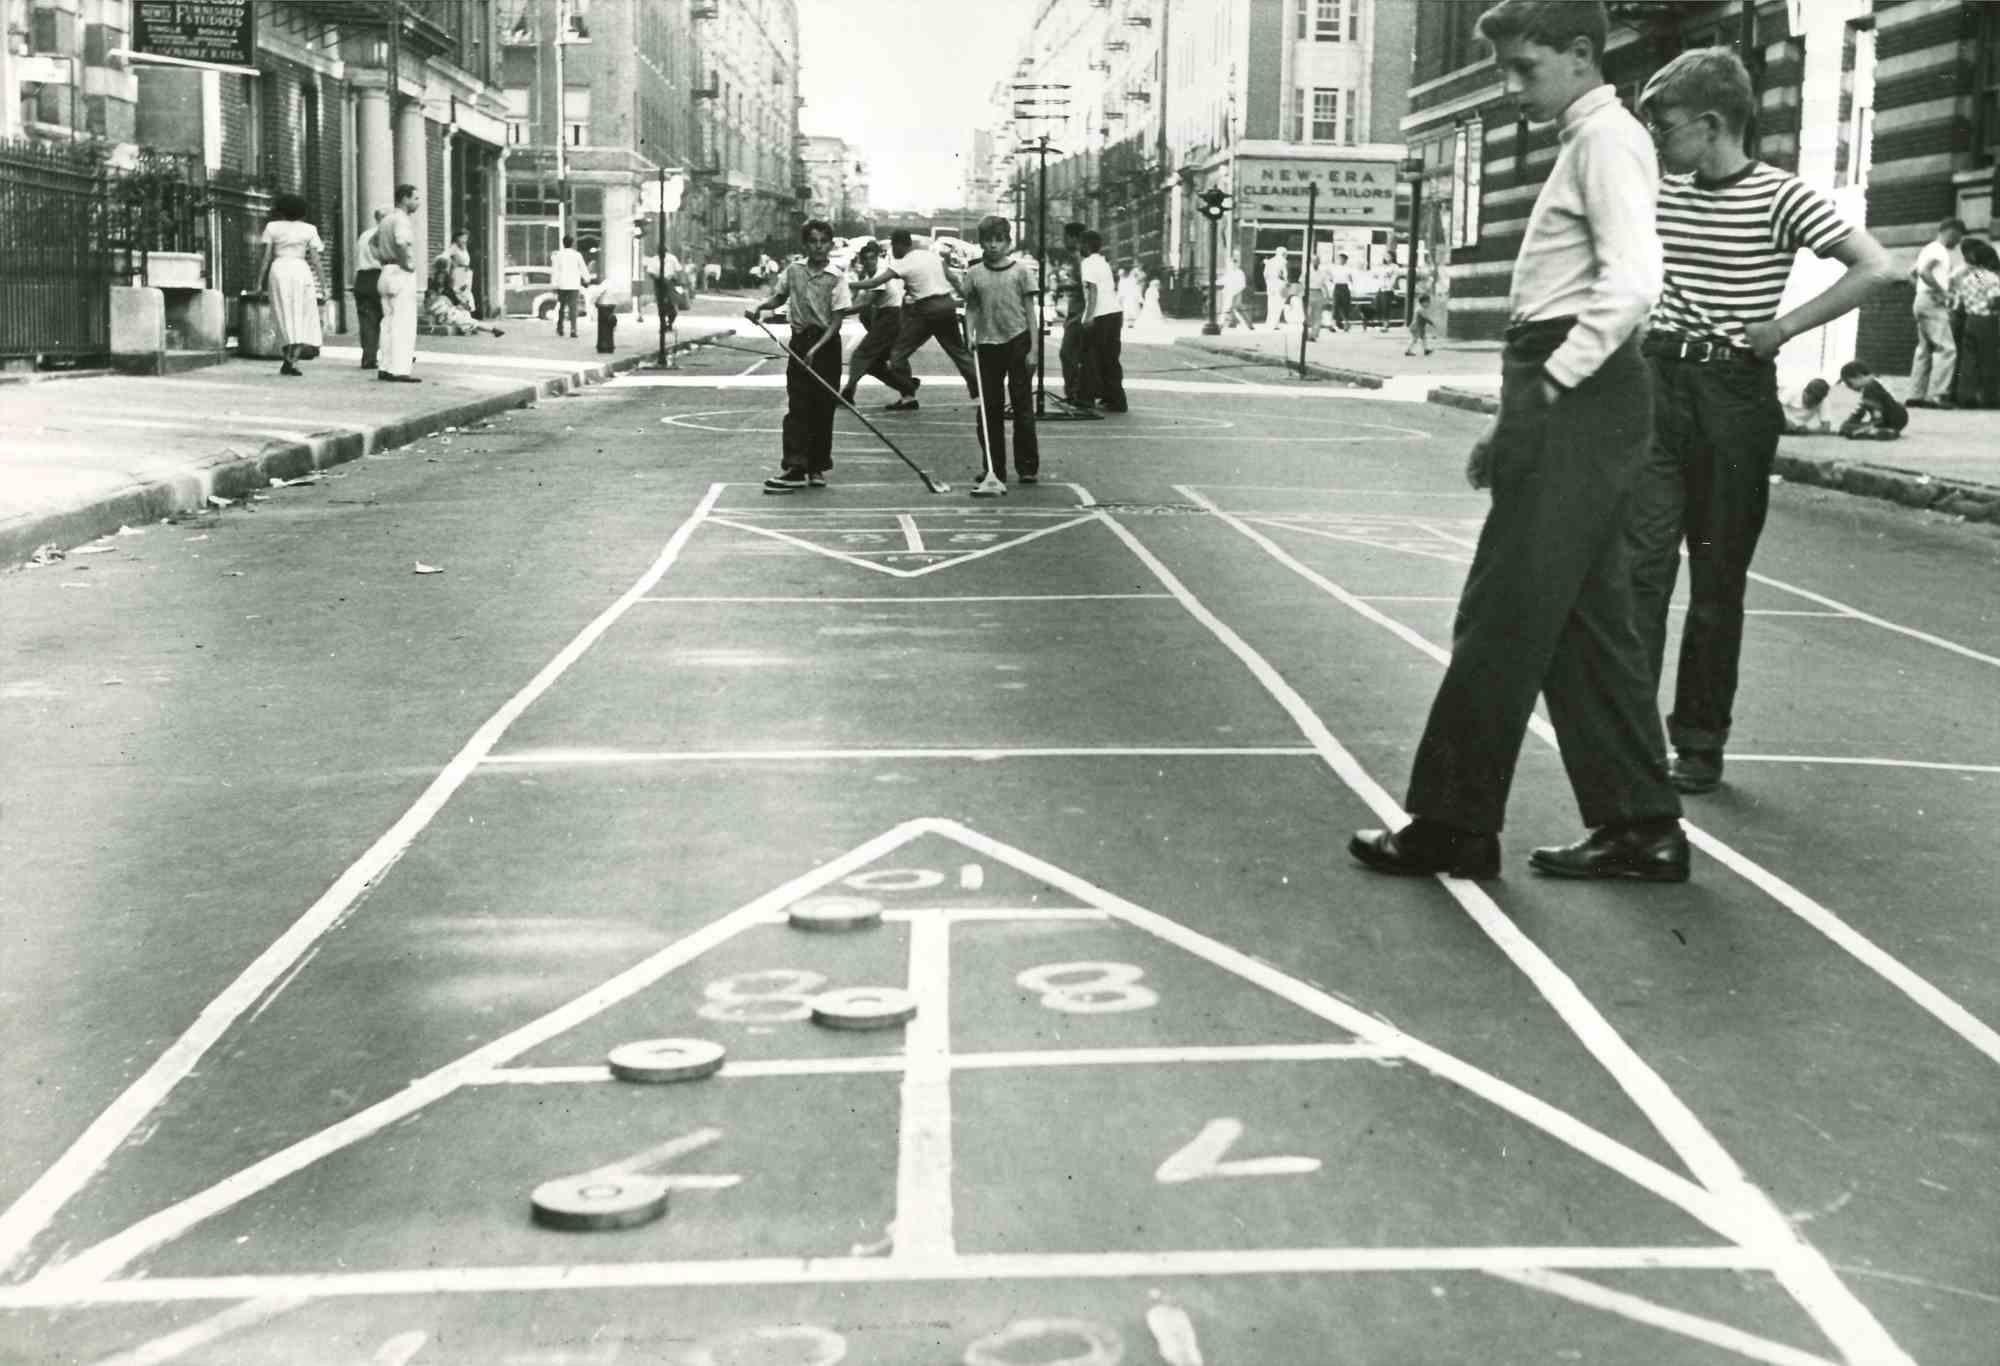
<point>576,117</point>
<point>1327,16</point>
<point>1988,68</point>
<point>1348,105</point>
<point>1325,116</point>
<point>529,198</point>
<point>517,115</point>
<point>1468,165</point>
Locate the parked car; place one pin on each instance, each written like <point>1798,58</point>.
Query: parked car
<point>530,292</point>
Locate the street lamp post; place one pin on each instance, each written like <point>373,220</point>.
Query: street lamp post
<point>1215,202</point>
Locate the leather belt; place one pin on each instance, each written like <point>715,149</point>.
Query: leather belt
<point>1702,352</point>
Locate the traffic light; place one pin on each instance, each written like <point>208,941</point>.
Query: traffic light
<point>1216,203</point>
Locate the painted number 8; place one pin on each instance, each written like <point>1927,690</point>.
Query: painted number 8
<point>768,997</point>
<point>1089,988</point>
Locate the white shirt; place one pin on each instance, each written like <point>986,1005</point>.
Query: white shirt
<point>1097,271</point>
<point>1338,274</point>
<point>568,269</point>
<point>1925,273</point>
<point>1232,280</point>
<point>923,274</point>
<point>1274,274</point>
<point>364,252</point>
<point>665,268</point>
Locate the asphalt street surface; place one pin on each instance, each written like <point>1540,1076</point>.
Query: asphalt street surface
<point>330,884</point>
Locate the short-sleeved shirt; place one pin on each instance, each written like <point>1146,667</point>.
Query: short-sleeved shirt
<point>1097,271</point>
<point>286,238</point>
<point>1924,273</point>
<point>1728,247</point>
<point>812,297</point>
<point>568,269</point>
<point>1977,291</point>
<point>364,252</point>
<point>999,303</point>
<point>922,272</point>
<point>395,241</point>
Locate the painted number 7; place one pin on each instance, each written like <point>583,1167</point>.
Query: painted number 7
<point>1089,988</point>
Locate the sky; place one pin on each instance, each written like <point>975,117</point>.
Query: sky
<point>907,82</point>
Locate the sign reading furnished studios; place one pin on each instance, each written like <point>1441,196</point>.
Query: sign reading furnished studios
<point>1351,193</point>
<point>215,32</point>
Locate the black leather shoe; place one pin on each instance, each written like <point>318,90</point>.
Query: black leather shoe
<point>1647,855</point>
<point>1456,853</point>
<point>1696,770</point>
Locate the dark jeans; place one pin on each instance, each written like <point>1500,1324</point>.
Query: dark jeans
<point>872,356</point>
<point>1547,606</point>
<point>566,309</point>
<point>1343,305</point>
<point>1075,332</point>
<point>663,299</point>
<point>368,315</point>
<point>1005,377</point>
<point>1103,375</point>
<point>935,317</point>
<point>1978,378</point>
<point>809,405</point>
<point>1706,480</point>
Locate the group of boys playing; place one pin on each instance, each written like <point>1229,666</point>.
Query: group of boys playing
<point>908,301</point>
<point>1618,440</point>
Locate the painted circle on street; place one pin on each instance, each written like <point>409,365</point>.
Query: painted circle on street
<point>896,879</point>
<point>1100,1345</point>
<point>792,1344</point>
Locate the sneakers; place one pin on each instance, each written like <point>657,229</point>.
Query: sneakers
<point>791,481</point>
<point>901,405</point>
<point>816,479</point>
<point>1029,478</point>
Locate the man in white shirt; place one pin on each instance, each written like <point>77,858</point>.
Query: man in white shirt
<point>1340,279</point>
<point>663,269</point>
<point>569,273</point>
<point>1936,362</point>
<point>1276,283</point>
<point>1230,305</point>
<point>1104,319</point>
<point>1549,605</point>
<point>929,311</point>
<point>401,288</point>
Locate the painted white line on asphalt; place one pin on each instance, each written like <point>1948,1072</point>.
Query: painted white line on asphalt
<point>108,1257</point>
<point>1804,1271</point>
<point>956,558</point>
<point>1345,493</point>
<point>892,600</point>
<point>1638,1310</point>
<point>195,1336</point>
<point>977,914</point>
<point>1846,610</point>
<point>922,1231</point>
<point>1421,551</point>
<point>1055,1266</point>
<point>679,382</point>
<point>1675,607</point>
<point>1084,497</point>
<point>912,538</point>
<point>591,1074</point>
<point>1918,989</point>
<point>1931,765</point>
<point>1237,378</point>
<point>543,757</point>
<point>31,1213</point>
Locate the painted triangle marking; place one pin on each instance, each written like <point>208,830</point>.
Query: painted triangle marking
<point>943,560</point>
<point>95,1266</point>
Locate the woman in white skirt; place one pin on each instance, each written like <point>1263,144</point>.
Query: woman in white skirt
<point>289,275</point>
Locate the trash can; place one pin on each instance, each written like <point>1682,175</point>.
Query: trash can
<point>257,329</point>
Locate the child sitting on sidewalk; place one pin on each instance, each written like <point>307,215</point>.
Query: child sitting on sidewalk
<point>1878,417</point>
<point>1805,411</point>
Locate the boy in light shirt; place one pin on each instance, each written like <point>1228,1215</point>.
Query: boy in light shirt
<point>1805,411</point>
<point>1000,298</point>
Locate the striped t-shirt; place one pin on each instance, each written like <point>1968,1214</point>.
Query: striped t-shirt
<point>1729,247</point>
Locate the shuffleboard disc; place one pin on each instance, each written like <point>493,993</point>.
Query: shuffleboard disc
<point>593,1203</point>
<point>834,913</point>
<point>657,1060</point>
<point>864,1008</point>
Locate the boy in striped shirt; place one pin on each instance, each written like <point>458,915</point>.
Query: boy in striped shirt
<point>1729,227</point>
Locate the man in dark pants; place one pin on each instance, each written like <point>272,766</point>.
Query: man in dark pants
<point>1548,604</point>
<point>816,299</point>
<point>367,294</point>
<point>1103,373</point>
<point>929,312</point>
<point>882,315</point>
<point>1730,228</point>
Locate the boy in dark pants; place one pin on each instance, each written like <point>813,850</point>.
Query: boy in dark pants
<point>1103,374</point>
<point>817,299</point>
<point>1000,297</point>
<point>882,315</point>
<point>1729,228</point>
<point>1548,604</point>
<point>1877,417</point>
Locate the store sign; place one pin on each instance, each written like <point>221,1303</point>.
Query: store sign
<point>1351,193</point>
<point>213,32</point>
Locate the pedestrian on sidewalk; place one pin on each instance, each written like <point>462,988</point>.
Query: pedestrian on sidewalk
<point>1877,417</point>
<point>929,310</point>
<point>1730,227</point>
<point>882,314</point>
<point>460,257</point>
<point>663,277</point>
<point>1149,301</point>
<point>1936,357</point>
<point>367,293</point>
<point>569,273</point>
<point>1230,306</point>
<point>1130,299</point>
<point>1076,322</point>
<point>1103,373</point>
<point>1548,603</point>
<point>1385,296</point>
<point>1001,291</point>
<point>1975,291</point>
<point>396,248</point>
<point>1277,284</point>
<point>816,298</point>
<point>1420,325</point>
<point>1341,278</point>
<point>288,274</point>
<point>1805,409</point>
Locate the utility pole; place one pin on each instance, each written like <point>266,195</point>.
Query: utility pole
<point>562,119</point>
<point>1215,203</point>
<point>1306,278</point>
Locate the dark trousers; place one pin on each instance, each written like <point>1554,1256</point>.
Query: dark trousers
<point>1978,377</point>
<point>1343,305</point>
<point>1103,374</point>
<point>1075,338</point>
<point>1005,377</point>
<point>809,405</point>
<point>871,358</point>
<point>566,309</point>
<point>1707,480</point>
<point>927,319</point>
<point>663,299</point>
<point>368,315</point>
<point>1547,606</point>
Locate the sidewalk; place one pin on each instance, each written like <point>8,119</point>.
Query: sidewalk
<point>85,455</point>
<point>1947,461</point>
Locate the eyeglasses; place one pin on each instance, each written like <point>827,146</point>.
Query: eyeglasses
<point>1661,132</point>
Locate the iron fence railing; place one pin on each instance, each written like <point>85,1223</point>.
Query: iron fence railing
<point>238,209</point>
<point>55,273</point>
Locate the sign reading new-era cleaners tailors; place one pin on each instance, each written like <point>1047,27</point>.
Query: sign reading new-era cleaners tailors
<point>222,32</point>
<point>1351,193</point>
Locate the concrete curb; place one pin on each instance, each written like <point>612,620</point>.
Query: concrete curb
<point>231,475</point>
<point>1911,488</point>
<point>1360,379</point>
